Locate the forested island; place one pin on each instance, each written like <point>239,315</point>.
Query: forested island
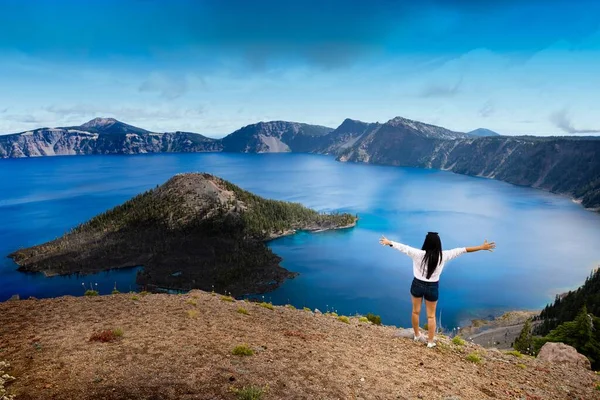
<point>194,231</point>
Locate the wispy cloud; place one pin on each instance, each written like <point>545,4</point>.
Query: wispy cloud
<point>562,120</point>
<point>167,87</point>
<point>441,90</point>
<point>487,109</point>
<point>125,113</point>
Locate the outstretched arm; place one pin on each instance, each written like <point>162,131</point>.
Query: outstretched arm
<point>485,246</point>
<point>410,251</point>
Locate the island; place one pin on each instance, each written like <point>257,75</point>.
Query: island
<point>196,231</point>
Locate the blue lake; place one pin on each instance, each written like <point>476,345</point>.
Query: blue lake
<point>547,244</point>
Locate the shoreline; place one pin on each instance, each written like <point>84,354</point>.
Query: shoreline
<point>499,332</point>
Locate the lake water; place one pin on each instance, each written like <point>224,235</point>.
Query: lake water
<point>546,243</point>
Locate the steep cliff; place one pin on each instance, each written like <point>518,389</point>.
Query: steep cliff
<point>276,137</point>
<point>101,136</point>
<point>562,165</point>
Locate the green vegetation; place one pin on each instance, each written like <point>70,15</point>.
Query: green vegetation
<point>457,340</point>
<point>115,291</point>
<point>118,332</point>
<point>191,302</point>
<point>249,393</point>
<point>228,298</point>
<point>242,350</point>
<point>135,298</point>
<point>192,313</point>
<point>515,353</point>
<point>474,357</point>
<point>242,310</point>
<point>363,319</point>
<point>524,343</point>
<point>267,305</point>
<point>344,319</point>
<point>376,319</point>
<point>522,366</point>
<point>291,307</point>
<point>580,333</point>
<point>333,314</point>
<point>144,293</point>
<point>90,292</point>
<point>566,307</point>
<point>572,319</point>
<point>426,326</point>
<point>307,309</point>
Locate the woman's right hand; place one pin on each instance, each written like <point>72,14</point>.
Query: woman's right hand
<point>384,241</point>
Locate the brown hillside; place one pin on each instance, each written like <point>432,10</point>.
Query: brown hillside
<point>180,347</point>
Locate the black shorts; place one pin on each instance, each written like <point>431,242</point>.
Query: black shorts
<point>429,290</point>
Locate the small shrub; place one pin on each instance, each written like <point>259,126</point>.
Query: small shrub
<point>191,301</point>
<point>105,336</point>
<point>457,340</point>
<point>192,313</point>
<point>334,314</point>
<point>474,357</point>
<point>522,366</point>
<point>307,309</point>
<point>267,305</point>
<point>291,307</point>
<point>426,327</point>
<point>363,319</point>
<point>115,291</point>
<point>144,293</point>
<point>515,353</point>
<point>242,310</point>
<point>242,350</point>
<point>135,298</point>
<point>344,319</point>
<point>90,292</point>
<point>249,393</point>
<point>118,332</point>
<point>376,319</point>
<point>228,298</point>
<point>597,386</point>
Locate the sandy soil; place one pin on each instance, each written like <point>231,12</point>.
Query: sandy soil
<point>180,347</point>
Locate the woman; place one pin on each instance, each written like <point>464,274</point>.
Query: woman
<point>428,264</point>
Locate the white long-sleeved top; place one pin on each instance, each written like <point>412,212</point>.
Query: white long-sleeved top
<point>417,257</point>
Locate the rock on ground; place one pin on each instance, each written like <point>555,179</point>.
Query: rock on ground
<point>560,353</point>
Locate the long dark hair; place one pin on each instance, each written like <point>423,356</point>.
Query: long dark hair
<point>433,253</point>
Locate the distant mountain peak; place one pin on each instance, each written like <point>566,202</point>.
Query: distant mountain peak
<point>483,132</point>
<point>424,129</point>
<point>99,122</point>
<point>110,126</point>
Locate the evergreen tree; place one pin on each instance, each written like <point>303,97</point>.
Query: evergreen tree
<point>524,343</point>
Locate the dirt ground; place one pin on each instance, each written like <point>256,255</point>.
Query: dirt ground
<point>180,347</point>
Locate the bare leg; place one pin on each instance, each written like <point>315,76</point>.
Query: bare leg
<point>430,306</point>
<point>416,310</point>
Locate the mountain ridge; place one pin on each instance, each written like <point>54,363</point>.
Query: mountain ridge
<point>563,165</point>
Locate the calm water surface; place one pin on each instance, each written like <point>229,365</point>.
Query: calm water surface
<point>546,243</point>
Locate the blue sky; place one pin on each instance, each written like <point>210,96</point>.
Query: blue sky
<point>212,66</point>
